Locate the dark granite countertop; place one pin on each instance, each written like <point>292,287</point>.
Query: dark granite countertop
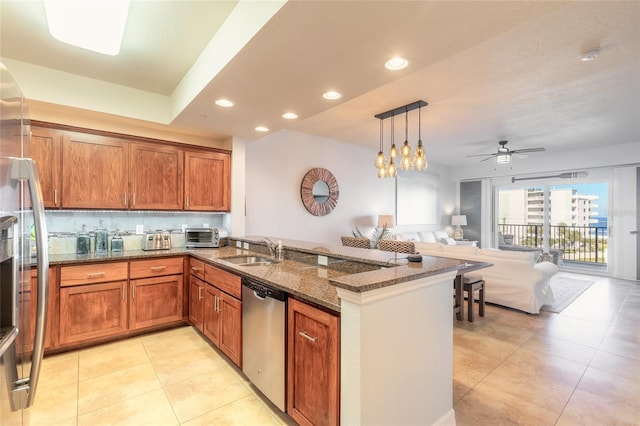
<point>299,274</point>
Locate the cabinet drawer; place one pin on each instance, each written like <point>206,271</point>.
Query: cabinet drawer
<point>225,281</point>
<point>94,273</point>
<point>196,268</point>
<point>155,267</point>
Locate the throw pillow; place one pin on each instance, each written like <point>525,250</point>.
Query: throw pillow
<point>448,241</point>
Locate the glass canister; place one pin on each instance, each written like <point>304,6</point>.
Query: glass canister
<point>117,245</point>
<point>101,240</point>
<point>83,242</point>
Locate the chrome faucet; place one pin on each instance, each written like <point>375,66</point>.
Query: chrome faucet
<point>271,246</point>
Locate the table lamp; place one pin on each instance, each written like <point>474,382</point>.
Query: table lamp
<point>458,221</point>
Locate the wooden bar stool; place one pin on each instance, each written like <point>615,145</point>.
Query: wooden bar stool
<point>471,285</point>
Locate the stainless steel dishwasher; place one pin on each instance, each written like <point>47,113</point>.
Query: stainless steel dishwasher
<point>264,311</point>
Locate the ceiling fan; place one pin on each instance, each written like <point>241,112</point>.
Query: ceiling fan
<point>503,155</point>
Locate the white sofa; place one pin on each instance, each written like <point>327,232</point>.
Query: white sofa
<point>515,280</point>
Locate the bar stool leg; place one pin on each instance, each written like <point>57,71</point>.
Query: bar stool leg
<point>482,299</point>
<point>470,297</point>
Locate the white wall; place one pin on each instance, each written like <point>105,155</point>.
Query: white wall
<point>275,166</point>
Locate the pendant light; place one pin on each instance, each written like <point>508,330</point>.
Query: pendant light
<point>419,160</point>
<point>405,164</point>
<point>392,171</point>
<point>381,160</point>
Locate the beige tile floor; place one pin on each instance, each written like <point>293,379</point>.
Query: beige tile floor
<point>167,378</point>
<point>579,367</point>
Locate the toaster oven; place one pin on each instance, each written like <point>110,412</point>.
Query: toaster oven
<point>205,237</point>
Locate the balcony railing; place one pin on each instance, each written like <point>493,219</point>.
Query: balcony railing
<point>586,244</point>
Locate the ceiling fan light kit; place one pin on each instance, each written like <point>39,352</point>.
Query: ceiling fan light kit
<point>407,162</point>
<point>504,154</point>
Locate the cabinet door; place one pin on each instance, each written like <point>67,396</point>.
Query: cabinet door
<point>231,328</point>
<point>95,172</point>
<point>155,301</point>
<point>207,184</point>
<point>46,151</point>
<point>196,302</point>
<point>312,365</point>
<point>156,177</point>
<point>92,311</point>
<point>212,317</point>
<point>28,301</point>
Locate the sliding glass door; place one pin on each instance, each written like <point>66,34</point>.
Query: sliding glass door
<point>569,221</point>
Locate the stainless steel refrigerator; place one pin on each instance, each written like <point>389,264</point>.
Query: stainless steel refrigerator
<point>22,225</point>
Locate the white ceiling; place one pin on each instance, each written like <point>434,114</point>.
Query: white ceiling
<point>490,70</point>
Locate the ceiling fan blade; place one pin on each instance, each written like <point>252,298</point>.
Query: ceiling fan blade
<point>481,155</point>
<point>488,158</point>
<point>522,151</point>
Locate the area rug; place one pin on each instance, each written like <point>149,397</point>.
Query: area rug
<point>565,291</point>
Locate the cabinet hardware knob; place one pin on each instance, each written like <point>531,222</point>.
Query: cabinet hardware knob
<point>306,336</point>
<point>125,199</point>
<point>157,268</point>
<point>187,201</point>
<point>195,268</point>
<point>55,197</point>
<point>134,199</point>
<point>133,291</point>
<point>200,293</point>
<point>124,295</point>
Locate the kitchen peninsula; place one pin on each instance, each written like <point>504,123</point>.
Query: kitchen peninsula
<point>395,318</point>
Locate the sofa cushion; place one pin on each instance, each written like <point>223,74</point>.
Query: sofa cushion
<point>440,235</point>
<point>448,241</point>
<point>530,257</point>
<point>407,236</point>
<point>427,237</point>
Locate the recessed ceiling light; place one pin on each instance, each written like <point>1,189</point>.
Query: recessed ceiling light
<point>396,63</point>
<point>262,129</point>
<point>226,103</point>
<point>590,55</point>
<point>94,25</point>
<point>290,115</point>
<point>332,95</point>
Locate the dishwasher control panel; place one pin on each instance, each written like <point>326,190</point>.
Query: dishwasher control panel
<point>263,290</point>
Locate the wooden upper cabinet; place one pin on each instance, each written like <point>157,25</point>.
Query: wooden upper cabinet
<point>156,177</point>
<point>96,172</point>
<point>207,181</point>
<point>46,151</point>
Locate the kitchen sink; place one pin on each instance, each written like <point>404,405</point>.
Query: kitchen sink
<point>249,260</point>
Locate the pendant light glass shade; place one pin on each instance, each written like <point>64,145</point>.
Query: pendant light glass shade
<point>420,160</point>
<point>392,171</point>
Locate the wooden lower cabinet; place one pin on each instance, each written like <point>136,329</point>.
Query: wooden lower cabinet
<point>196,302</point>
<point>223,322</point>
<point>92,311</point>
<point>155,301</point>
<point>108,299</point>
<point>313,365</point>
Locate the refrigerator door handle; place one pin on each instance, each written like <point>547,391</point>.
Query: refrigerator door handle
<point>24,394</point>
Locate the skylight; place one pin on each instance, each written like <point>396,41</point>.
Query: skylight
<point>96,25</point>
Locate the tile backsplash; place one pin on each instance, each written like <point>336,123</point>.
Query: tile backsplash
<point>64,225</point>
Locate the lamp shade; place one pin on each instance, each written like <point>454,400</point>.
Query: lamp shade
<point>386,220</point>
<point>459,220</point>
